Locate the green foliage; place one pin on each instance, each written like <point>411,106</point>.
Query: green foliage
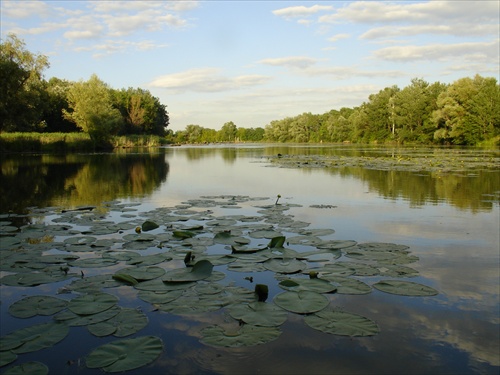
<point>21,97</point>
<point>468,112</point>
<point>91,109</point>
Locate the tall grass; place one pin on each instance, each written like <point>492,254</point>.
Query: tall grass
<point>69,142</point>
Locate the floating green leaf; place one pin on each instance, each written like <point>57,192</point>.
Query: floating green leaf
<point>93,262</point>
<point>284,265</point>
<point>142,273</point>
<point>92,303</point>
<point>34,338</point>
<point>126,322</point>
<point>246,335</point>
<point>7,357</point>
<point>347,285</point>
<point>302,302</point>
<point>149,225</point>
<point>405,288</point>
<point>37,305</point>
<point>125,355</point>
<point>34,278</point>
<point>314,285</point>
<point>259,314</point>
<point>28,368</point>
<point>342,323</point>
<point>277,242</point>
<point>123,278</point>
<point>74,320</point>
<point>201,270</point>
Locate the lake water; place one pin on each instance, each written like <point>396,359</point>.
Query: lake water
<point>448,216</point>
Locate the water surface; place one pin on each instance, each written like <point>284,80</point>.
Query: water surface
<point>448,218</point>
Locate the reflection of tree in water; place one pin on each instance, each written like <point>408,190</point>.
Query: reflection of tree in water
<point>460,190</point>
<point>78,179</point>
<point>229,154</point>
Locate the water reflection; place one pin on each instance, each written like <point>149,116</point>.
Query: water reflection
<point>73,180</point>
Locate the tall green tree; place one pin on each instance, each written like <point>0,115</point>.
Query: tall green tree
<point>56,92</point>
<point>468,112</point>
<point>92,110</point>
<point>228,132</point>
<point>21,79</point>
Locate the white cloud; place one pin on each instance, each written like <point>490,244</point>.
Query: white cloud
<point>300,62</point>
<point>85,27</point>
<point>468,51</point>
<point>13,9</point>
<point>206,80</point>
<point>457,30</point>
<point>338,37</point>
<point>346,72</point>
<point>301,11</point>
<point>431,12</point>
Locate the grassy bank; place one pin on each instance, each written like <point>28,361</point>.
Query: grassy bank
<point>70,142</point>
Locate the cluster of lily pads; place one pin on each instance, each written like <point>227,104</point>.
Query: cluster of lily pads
<point>445,161</point>
<point>177,259</point>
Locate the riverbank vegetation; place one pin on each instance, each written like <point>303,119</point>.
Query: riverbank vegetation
<point>92,115</point>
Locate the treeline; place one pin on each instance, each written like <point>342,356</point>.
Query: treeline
<point>466,112</point>
<point>196,134</point>
<point>29,103</point>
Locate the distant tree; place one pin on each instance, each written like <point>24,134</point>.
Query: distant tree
<point>468,112</point>
<point>21,79</point>
<point>92,110</point>
<point>56,92</point>
<point>228,132</point>
<point>141,111</point>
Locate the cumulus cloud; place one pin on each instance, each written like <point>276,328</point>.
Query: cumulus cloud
<point>338,37</point>
<point>300,62</point>
<point>206,80</point>
<point>372,12</point>
<point>12,9</point>
<point>301,11</point>
<point>468,51</point>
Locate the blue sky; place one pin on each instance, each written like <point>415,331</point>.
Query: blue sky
<point>252,62</point>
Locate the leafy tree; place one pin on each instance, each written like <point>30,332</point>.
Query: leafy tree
<point>468,112</point>
<point>21,81</point>
<point>228,132</point>
<point>142,112</point>
<point>55,93</point>
<point>92,110</point>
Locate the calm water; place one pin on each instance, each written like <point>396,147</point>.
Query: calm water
<point>450,221</point>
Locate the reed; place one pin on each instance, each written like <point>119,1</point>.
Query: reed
<point>69,142</point>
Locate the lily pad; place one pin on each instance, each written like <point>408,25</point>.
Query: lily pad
<point>74,320</point>
<point>37,305</point>
<point>143,273</point>
<point>284,265</point>
<point>93,262</point>
<point>34,338</point>
<point>126,322</point>
<point>405,288</point>
<point>149,225</point>
<point>159,297</point>
<point>7,357</point>
<point>314,285</point>
<point>347,285</point>
<point>31,368</point>
<point>342,323</point>
<point>125,355</point>
<point>242,336</point>
<point>302,302</point>
<point>259,314</point>
<point>92,303</point>
<point>201,270</point>
<point>34,278</point>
